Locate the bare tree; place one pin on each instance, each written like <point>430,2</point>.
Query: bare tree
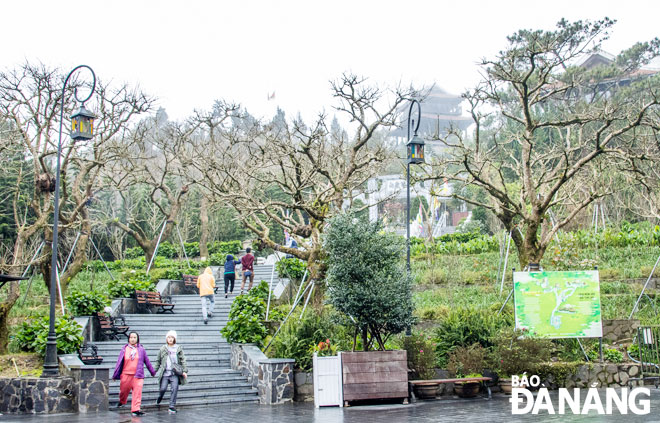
<point>30,98</point>
<point>546,130</point>
<point>295,177</point>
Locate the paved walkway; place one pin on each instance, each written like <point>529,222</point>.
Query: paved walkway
<point>451,410</point>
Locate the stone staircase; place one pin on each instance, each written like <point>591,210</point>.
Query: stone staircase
<point>210,379</point>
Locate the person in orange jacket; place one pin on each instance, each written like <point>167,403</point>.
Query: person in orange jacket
<point>206,286</point>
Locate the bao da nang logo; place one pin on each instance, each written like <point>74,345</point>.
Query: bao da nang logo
<point>576,401</point>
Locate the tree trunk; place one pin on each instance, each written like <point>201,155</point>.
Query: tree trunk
<point>204,235</point>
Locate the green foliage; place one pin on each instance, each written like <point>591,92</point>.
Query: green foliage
<point>192,249</point>
<point>366,277</point>
<point>126,288</point>
<point>260,290</point>
<point>246,319</point>
<point>133,253</point>
<point>33,334</point>
<point>421,355</point>
<point>167,250</point>
<point>86,303</point>
<point>217,259</point>
<point>467,361</point>
<point>611,355</point>
<point>224,248</point>
<point>514,353</point>
<point>463,327</point>
<point>291,267</point>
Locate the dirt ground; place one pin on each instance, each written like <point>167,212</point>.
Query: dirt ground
<point>29,364</point>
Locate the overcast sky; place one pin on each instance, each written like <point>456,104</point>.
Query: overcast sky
<point>189,53</point>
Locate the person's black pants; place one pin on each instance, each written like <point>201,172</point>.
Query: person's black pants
<point>229,281</point>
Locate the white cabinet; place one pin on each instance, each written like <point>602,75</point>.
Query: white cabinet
<point>328,381</point>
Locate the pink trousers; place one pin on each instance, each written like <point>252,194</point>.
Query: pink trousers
<point>128,383</point>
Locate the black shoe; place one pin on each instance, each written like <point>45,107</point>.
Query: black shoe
<point>138,413</point>
<point>160,398</point>
<point>120,405</point>
<point>172,410</point>
<point>225,295</point>
<point>210,315</point>
<point>206,322</point>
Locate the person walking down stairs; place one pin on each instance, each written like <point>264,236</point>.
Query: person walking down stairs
<point>130,371</point>
<point>206,285</point>
<point>171,369</point>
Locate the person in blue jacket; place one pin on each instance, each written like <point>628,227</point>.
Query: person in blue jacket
<point>230,273</point>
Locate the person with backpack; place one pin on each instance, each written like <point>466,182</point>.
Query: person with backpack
<point>206,286</point>
<point>230,273</point>
<point>130,371</point>
<point>171,369</point>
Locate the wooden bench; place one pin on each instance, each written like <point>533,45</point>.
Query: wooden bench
<point>147,299</point>
<point>481,379</point>
<point>112,327</point>
<point>89,355</point>
<point>190,281</point>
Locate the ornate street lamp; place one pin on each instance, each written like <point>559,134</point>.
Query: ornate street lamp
<point>82,127</point>
<point>415,156</point>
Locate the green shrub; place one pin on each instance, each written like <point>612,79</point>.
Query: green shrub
<point>611,355</point>
<point>291,267</point>
<point>167,250</point>
<point>366,278</point>
<point>126,288</point>
<point>463,327</point>
<point>32,335</point>
<point>192,249</point>
<point>86,303</point>
<point>466,361</point>
<point>224,248</point>
<point>246,317</point>
<point>217,259</point>
<point>421,355</point>
<point>133,253</point>
<point>260,290</point>
<point>514,353</point>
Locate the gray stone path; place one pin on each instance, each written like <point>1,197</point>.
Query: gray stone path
<point>455,410</point>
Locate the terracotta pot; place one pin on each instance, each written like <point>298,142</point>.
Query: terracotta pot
<point>467,390</point>
<point>505,386</point>
<point>426,390</point>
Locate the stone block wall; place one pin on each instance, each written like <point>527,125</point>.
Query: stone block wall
<point>273,378</point>
<point>31,395</point>
<point>596,375</point>
<point>619,330</point>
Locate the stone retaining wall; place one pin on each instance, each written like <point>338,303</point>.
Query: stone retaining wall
<point>595,375</point>
<point>33,395</point>
<point>91,383</point>
<point>619,330</point>
<point>273,378</point>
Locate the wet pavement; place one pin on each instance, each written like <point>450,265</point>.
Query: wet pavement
<point>497,409</point>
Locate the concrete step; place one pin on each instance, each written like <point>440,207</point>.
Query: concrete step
<point>193,402</point>
<point>192,386</point>
<point>210,376</point>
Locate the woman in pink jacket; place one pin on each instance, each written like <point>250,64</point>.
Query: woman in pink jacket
<point>130,371</point>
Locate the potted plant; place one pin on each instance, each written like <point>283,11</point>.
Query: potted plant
<point>368,283</point>
<point>467,362</point>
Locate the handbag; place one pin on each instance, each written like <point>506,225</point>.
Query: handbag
<point>177,369</point>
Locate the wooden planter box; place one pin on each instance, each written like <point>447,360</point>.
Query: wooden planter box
<point>374,375</point>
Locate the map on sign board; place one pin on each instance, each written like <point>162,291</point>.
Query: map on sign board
<point>558,304</point>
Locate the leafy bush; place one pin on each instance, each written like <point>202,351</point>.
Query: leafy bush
<point>217,259</point>
<point>466,361</point>
<point>133,253</point>
<point>224,248</point>
<point>421,355</point>
<point>191,248</point>
<point>32,335</point>
<point>611,355</point>
<point>246,319</point>
<point>167,250</point>
<point>86,303</point>
<point>367,280</point>
<point>463,327</point>
<point>260,290</point>
<point>126,288</point>
<point>291,267</point>
<point>514,353</point>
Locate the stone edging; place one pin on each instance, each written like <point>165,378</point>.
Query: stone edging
<point>273,377</point>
